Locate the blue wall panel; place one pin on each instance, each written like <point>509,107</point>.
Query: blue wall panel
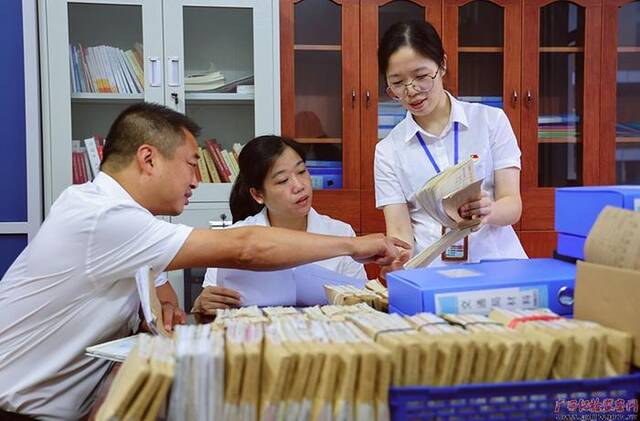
<point>11,245</point>
<point>13,158</point>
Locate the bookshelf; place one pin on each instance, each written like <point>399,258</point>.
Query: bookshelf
<point>214,60</point>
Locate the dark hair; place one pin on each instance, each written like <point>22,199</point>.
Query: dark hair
<point>142,123</point>
<point>255,160</point>
<point>417,34</point>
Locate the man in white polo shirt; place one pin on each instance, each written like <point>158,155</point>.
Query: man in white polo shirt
<point>73,286</point>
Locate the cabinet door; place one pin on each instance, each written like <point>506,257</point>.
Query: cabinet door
<point>561,103</point>
<point>319,56</point>
<point>93,72</point>
<point>482,41</point>
<point>219,71</point>
<point>378,112</point>
<point>620,117</point>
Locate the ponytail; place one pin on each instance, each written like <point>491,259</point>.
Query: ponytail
<point>241,202</point>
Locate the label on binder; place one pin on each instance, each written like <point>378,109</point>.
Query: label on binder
<point>481,302</point>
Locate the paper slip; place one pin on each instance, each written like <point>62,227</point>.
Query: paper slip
<point>151,307</point>
<point>299,286</point>
<point>114,350</point>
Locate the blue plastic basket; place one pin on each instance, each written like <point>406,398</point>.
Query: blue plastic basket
<point>539,400</point>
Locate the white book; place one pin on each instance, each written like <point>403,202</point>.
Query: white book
<point>114,68</point>
<point>116,350</point>
<point>119,58</point>
<point>93,70</point>
<point>246,89</point>
<point>92,152</point>
<point>87,72</point>
<point>104,62</point>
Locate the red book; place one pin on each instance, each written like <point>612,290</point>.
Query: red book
<point>223,171</point>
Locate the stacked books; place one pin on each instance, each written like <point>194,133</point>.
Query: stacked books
<point>215,81</point>
<point>106,69</point>
<point>217,165</point>
<point>86,156</point>
<point>563,128</point>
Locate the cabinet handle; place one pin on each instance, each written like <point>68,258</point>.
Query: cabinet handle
<point>529,97</point>
<point>353,98</point>
<point>174,71</point>
<point>368,98</point>
<point>154,72</point>
<point>514,96</point>
<point>174,96</point>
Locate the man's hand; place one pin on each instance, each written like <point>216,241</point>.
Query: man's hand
<point>215,297</point>
<point>480,208</point>
<point>397,264</point>
<point>172,315</point>
<point>376,248</point>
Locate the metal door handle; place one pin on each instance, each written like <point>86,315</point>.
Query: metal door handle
<point>529,97</point>
<point>515,96</point>
<point>368,98</point>
<point>353,98</point>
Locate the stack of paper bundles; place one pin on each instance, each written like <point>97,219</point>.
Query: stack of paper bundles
<point>584,349</point>
<point>140,387</point>
<point>374,294</point>
<point>243,349</point>
<point>251,314</point>
<point>400,338</point>
<point>451,354</point>
<point>198,386</point>
<point>509,353</point>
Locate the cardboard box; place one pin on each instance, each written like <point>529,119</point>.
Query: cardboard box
<point>609,296</point>
<point>576,210</point>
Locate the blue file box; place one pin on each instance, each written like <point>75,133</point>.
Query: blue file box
<point>578,207</point>
<point>476,287</point>
<point>326,178</point>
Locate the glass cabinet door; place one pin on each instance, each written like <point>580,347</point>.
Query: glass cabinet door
<point>559,139</point>
<point>320,95</point>
<point>215,67</point>
<point>379,113</point>
<point>627,130</point>
<point>482,41</point>
<point>561,85</point>
<point>95,73</point>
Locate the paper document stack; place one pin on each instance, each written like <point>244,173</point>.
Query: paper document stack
<point>203,81</point>
<point>198,386</point>
<point>337,362</point>
<point>441,197</point>
<point>140,388</point>
<point>373,294</point>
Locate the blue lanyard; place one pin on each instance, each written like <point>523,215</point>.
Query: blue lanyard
<point>455,148</point>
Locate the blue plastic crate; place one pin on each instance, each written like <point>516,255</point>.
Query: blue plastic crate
<point>539,400</point>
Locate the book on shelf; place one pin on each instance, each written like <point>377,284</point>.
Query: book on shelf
<point>441,197</point>
<point>218,165</point>
<point>106,69</point>
<point>246,89</point>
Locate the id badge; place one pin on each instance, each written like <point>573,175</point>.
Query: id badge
<point>457,252</point>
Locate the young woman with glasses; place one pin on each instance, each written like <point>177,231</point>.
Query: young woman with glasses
<point>437,132</point>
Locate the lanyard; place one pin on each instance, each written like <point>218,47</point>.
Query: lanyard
<point>455,148</point>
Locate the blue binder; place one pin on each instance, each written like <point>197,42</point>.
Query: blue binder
<point>578,207</point>
<point>477,287</point>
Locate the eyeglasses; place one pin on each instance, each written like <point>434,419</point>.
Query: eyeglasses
<point>420,84</point>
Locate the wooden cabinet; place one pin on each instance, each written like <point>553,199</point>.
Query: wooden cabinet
<point>565,77</point>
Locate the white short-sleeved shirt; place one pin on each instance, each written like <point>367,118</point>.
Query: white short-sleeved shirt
<point>73,287</point>
<point>402,167</point>
<point>317,224</point>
